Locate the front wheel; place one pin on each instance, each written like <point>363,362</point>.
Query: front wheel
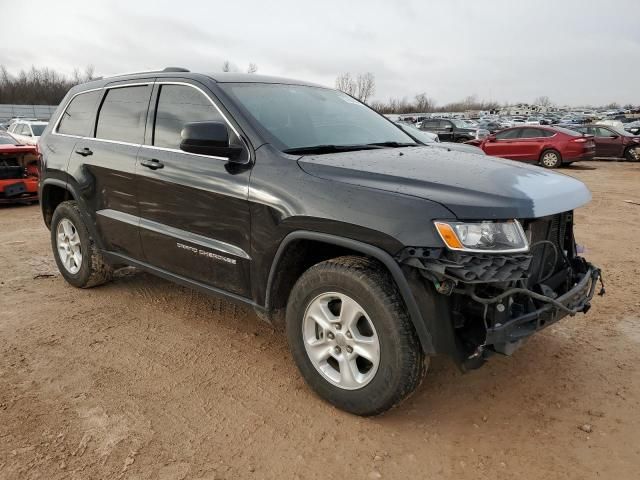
<point>550,159</point>
<point>351,337</point>
<point>631,154</point>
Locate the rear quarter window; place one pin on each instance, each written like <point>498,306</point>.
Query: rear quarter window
<point>79,116</point>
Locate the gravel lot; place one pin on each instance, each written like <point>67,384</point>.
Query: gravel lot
<point>142,379</point>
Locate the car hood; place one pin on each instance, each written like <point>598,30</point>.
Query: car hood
<point>471,186</point>
<point>459,147</point>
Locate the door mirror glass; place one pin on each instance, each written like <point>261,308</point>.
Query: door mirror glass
<point>208,138</point>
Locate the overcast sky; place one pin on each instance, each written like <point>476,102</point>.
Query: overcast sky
<point>574,51</point>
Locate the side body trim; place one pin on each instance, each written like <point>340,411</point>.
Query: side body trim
<point>177,233</point>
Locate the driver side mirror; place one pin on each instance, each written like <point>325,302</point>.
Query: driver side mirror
<point>208,138</point>
<point>491,138</point>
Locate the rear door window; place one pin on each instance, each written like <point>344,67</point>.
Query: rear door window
<point>177,106</point>
<point>531,133</point>
<point>123,114</point>
<point>79,117</point>
<point>508,134</point>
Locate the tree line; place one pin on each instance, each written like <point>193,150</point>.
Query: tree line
<point>39,86</point>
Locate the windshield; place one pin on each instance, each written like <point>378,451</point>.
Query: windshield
<point>459,123</point>
<point>38,129</point>
<point>299,116</point>
<point>621,131</point>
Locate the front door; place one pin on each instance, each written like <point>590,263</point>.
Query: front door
<point>194,212</point>
<point>608,143</point>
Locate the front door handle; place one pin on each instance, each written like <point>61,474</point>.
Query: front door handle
<point>85,152</point>
<point>153,164</point>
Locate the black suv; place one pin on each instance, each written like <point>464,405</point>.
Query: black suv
<point>371,251</point>
<point>449,130</point>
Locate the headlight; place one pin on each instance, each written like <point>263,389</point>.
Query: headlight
<point>485,236</point>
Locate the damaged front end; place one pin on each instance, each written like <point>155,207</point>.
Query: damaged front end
<point>497,300</point>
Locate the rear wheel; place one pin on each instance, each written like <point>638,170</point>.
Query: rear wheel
<point>78,259</point>
<point>550,159</point>
<point>351,337</point>
<point>631,154</point>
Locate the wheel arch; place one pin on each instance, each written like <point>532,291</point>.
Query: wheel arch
<point>52,193</point>
<point>288,264</point>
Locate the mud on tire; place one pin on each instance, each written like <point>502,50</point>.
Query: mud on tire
<point>94,270</point>
<point>402,364</point>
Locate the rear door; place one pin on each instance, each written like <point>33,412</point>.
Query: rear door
<point>530,144</point>
<point>194,211</point>
<point>103,164</point>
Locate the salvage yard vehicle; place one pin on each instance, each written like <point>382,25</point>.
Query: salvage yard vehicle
<point>319,213</point>
<point>452,130</point>
<point>18,171</point>
<point>612,142</point>
<point>27,131</point>
<point>428,138</point>
<point>550,147</point>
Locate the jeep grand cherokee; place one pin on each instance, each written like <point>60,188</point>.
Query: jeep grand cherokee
<point>372,251</point>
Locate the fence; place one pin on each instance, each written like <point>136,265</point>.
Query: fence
<point>41,112</point>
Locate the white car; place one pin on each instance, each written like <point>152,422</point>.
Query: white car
<point>27,132</point>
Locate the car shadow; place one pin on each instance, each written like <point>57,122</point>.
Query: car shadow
<point>573,166</point>
<point>504,387</point>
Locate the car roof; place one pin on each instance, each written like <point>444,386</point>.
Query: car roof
<point>33,122</point>
<point>220,77</point>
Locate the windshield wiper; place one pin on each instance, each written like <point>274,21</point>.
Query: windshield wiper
<point>394,144</point>
<point>332,148</point>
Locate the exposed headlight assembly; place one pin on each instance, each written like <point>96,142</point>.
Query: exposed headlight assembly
<point>485,236</point>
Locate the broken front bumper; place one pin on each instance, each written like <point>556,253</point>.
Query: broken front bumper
<point>506,337</point>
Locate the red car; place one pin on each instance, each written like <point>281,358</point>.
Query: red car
<point>551,147</point>
<point>18,170</point>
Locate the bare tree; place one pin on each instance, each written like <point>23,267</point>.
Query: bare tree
<point>423,103</point>
<point>253,68</point>
<point>543,101</point>
<point>345,84</point>
<point>365,86</point>
<point>226,66</point>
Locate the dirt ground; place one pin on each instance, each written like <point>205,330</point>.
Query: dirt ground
<point>142,379</point>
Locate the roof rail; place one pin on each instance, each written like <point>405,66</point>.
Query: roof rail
<point>175,69</point>
<point>166,69</point>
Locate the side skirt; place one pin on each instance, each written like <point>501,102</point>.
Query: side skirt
<point>117,258</point>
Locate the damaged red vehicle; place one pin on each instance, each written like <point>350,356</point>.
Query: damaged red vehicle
<point>18,170</point>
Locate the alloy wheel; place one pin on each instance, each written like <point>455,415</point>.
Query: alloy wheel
<point>341,340</point>
<point>69,248</point>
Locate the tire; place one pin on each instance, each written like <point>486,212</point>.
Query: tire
<point>401,364</point>
<point>631,154</point>
<point>551,159</point>
<point>68,232</point>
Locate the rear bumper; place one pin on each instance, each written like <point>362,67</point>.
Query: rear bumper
<point>18,189</point>
<point>507,336</point>
<point>587,155</point>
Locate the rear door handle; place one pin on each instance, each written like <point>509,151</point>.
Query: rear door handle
<point>153,164</point>
<point>85,152</point>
